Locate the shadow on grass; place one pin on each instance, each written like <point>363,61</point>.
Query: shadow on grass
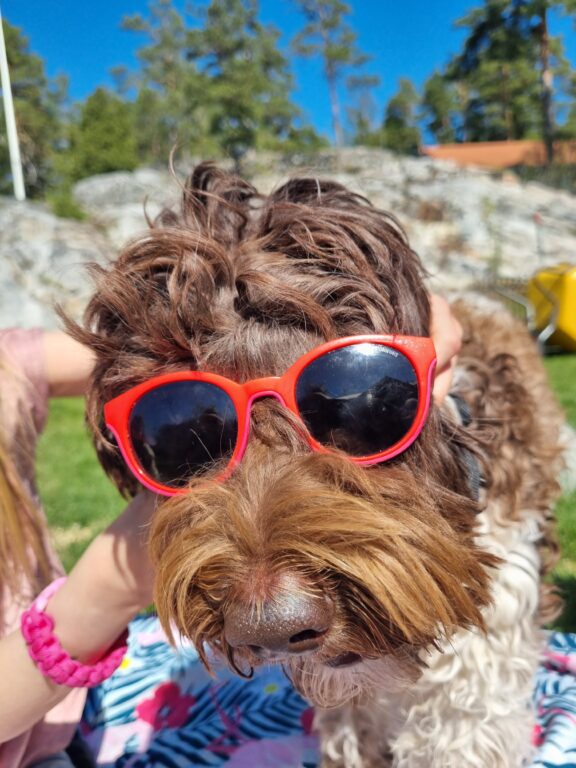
<point>567,587</point>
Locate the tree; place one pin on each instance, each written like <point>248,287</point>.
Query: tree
<point>248,81</point>
<point>568,130</point>
<point>169,107</point>
<point>440,108</point>
<point>37,105</point>
<point>103,138</point>
<point>400,130</point>
<point>507,66</point>
<point>212,81</point>
<point>365,128</point>
<point>329,36</point>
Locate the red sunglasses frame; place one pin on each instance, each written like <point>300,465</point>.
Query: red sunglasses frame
<point>418,349</point>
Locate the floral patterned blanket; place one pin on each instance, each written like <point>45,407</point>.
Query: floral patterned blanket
<point>161,709</point>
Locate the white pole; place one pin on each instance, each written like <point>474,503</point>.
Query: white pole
<point>13,147</point>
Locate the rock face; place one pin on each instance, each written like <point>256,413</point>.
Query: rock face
<point>43,262</point>
<point>466,225</point>
<point>118,203</point>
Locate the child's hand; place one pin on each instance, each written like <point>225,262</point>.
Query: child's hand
<point>109,585</point>
<point>446,334</point>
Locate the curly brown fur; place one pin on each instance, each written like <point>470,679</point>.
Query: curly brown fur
<point>517,419</point>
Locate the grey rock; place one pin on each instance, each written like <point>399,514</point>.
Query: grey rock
<point>463,223</point>
<point>44,262</point>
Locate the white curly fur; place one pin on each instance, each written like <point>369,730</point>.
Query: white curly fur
<point>472,706</point>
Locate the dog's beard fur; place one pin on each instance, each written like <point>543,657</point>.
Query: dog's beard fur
<point>329,688</point>
<point>392,550</point>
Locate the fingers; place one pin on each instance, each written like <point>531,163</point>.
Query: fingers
<point>446,333</point>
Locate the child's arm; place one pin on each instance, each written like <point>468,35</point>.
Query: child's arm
<point>67,364</point>
<point>111,582</point>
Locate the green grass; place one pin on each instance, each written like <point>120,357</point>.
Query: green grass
<point>80,501</point>
<point>562,372</point>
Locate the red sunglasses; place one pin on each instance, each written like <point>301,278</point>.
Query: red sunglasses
<point>366,396</point>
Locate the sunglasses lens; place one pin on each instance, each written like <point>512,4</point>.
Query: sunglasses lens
<point>180,429</point>
<point>361,399</point>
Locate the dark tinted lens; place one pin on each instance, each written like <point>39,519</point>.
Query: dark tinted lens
<point>362,398</point>
<point>178,430</point>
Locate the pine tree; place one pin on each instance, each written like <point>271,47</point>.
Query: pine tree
<point>507,69</point>
<point>329,36</point>
<point>362,112</point>
<point>400,130</point>
<point>248,81</point>
<point>213,81</point>
<point>103,137</point>
<point>169,107</point>
<point>440,108</point>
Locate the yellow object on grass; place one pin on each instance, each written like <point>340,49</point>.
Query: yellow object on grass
<point>552,294</point>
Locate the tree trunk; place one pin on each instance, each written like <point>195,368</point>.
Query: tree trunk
<point>331,78</point>
<point>546,78</point>
<point>505,97</point>
<point>335,108</point>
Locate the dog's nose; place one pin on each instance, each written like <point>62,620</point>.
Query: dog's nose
<point>288,623</point>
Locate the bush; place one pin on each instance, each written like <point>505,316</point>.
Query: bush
<point>557,175</point>
<point>63,204</point>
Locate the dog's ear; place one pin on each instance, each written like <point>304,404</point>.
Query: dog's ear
<point>113,368</point>
<point>113,464</point>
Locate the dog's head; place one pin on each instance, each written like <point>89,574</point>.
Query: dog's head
<point>343,573</point>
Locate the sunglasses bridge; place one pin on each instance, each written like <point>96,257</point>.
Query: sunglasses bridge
<point>257,389</point>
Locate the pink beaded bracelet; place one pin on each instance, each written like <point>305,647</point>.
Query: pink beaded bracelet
<point>49,656</point>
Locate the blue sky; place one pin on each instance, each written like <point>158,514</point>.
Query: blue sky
<point>406,38</point>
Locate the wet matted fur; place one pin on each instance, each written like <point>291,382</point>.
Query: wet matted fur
<point>437,592</point>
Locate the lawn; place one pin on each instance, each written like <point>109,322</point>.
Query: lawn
<point>80,501</point>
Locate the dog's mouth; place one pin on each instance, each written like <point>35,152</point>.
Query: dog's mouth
<point>348,659</point>
<point>342,660</point>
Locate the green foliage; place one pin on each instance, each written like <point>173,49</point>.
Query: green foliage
<point>505,69</point>
<point>62,203</point>
<point>329,36</point>
<point>247,98</point>
<point>440,108</point>
<point>497,72</point>
<point>37,104</point>
<point>213,81</point>
<point>364,128</point>
<point>169,107</point>
<point>556,175</point>
<point>102,139</point>
<point>400,131</point>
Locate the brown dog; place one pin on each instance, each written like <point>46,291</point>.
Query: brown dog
<point>401,600</point>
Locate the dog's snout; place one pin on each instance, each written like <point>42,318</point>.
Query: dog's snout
<point>289,623</point>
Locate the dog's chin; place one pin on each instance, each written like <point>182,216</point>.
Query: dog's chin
<point>333,674</point>
<point>349,677</point>
<point>329,679</point>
